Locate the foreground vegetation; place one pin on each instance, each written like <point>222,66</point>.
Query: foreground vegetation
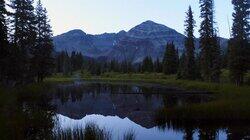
<point>90,132</point>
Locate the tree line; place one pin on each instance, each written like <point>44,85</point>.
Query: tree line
<point>208,63</point>
<point>26,51</point>
<point>204,63</point>
<point>26,45</point>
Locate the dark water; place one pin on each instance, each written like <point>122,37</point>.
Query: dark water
<point>116,107</point>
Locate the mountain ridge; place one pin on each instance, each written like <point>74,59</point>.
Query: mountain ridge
<point>146,39</point>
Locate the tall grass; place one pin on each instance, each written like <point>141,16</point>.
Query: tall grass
<point>90,132</point>
<point>129,135</point>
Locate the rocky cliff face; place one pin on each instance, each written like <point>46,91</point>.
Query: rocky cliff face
<point>147,39</point>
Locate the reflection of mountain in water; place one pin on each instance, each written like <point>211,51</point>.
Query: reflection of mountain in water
<point>77,101</point>
<point>119,127</point>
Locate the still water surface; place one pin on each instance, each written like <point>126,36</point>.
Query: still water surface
<point>118,108</point>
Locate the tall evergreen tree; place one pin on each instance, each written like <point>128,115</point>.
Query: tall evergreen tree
<point>3,41</point>
<point>147,64</point>
<point>42,60</point>
<point>210,50</point>
<point>170,61</point>
<point>216,60</point>
<point>239,45</point>
<point>24,39</point>
<point>66,67</point>
<point>157,66</point>
<point>189,60</point>
<point>182,70</point>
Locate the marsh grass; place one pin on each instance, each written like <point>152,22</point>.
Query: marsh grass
<point>129,135</point>
<point>90,132</point>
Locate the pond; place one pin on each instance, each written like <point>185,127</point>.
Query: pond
<point>115,111</point>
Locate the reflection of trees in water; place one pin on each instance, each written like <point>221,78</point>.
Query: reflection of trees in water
<point>188,133</point>
<point>206,129</point>
<point>74,93</point>
<point>208,133</point>
<point>176,100</point>
<point>28,117</point>
<point>238,132</point>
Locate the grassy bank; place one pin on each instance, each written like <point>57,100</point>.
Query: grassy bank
<point>159,79</point>
<point>232,102</point>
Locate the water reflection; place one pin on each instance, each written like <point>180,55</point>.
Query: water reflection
<point>77,101</point>
<point>120,109</point>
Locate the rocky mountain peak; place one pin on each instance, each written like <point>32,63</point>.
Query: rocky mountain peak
<point>150,29</point>
<point>150,26</point>
<point>76,32</point>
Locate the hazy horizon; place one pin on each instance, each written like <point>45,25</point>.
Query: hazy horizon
<point>112,16</point>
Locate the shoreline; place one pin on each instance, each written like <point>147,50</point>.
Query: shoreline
<point>231,103</point>
<point>168,81</point>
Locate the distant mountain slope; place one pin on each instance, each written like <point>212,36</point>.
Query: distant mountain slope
<point>89,45</point>
<point>147,39</point>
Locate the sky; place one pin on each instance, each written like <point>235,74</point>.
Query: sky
<point>100,16</point>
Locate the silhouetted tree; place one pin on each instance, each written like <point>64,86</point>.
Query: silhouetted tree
<point>170,61</point>
<point>147,64</point>
<point>189,60</point>
<point>42,60</point>
<point>63,63</point>
<point>3,41</point>
<point>216,60</point>
<point>157,66</point>
<point>182,70</point>
<point>239,46</point>
<point>210,49</point>
<point>76,61</point>
<point>24,39</point>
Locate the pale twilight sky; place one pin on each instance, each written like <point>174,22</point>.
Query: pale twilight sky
<point>99,16</point>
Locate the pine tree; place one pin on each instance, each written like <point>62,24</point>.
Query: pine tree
<point>3,41</point>
<point>210,50</point>
<point>239,45</point>
<point>216,60</point>
<point>170,62</point>
<point>66,68</point>
<point>189,60</point>
<point>147,64</point>
<point>157,66</point>
<point>24,39</point>
<point>182,71</point>
<point>42,60</point>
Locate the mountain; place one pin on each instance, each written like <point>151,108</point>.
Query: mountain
<point>147,39</point>
<point>89,45</point>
